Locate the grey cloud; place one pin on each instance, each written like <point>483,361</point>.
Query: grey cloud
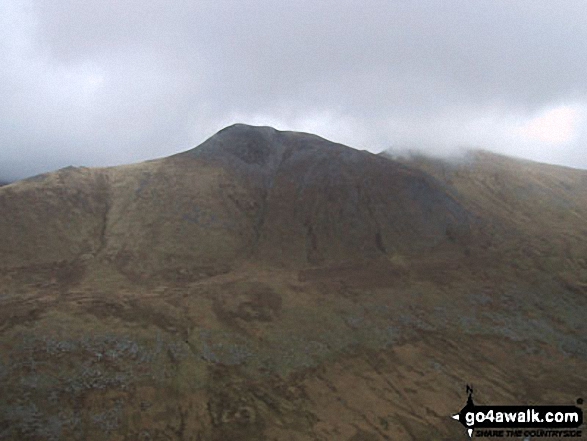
<point>106,82</point>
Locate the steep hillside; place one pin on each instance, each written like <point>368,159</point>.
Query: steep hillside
<point>275,285</point>
<point>539,210</point>
<point>282,198</point>
<point>52,217</point>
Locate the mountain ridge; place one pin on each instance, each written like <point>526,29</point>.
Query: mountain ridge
<point>265,166</point>
<point>273,285</point>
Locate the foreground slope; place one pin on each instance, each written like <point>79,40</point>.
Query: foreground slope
<point>275,285</point>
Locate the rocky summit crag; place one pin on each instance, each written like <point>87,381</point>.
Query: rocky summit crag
<point>273,285</point>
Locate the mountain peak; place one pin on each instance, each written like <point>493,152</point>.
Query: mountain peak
<point>244,129</point>
<point>241,143</point>
<point>261,149</point>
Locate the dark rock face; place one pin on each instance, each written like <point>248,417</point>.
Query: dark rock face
<point>242,147</point>
<point>319,201</point>
<point>283,197</point>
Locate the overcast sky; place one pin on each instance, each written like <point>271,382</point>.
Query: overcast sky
<point>104,82</point>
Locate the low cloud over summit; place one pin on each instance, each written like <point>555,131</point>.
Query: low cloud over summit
<point>103,83</point>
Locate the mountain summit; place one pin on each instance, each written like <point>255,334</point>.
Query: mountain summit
<point>246,193</point>
<point>271,285</point>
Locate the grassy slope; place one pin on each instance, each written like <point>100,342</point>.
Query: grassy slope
<point>540,210</point>
<point>129,339</point>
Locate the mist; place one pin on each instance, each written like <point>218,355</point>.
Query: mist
<point>103,83</point>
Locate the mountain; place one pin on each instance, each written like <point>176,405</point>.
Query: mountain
<point>276,285</point>
<point>246,193</point>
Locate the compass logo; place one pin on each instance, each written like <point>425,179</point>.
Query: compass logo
<point>509,421</point>
<point>469,407</point>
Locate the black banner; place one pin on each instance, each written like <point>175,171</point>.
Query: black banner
<point>475,417</point>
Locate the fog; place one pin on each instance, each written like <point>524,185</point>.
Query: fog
<point>99,83</point>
